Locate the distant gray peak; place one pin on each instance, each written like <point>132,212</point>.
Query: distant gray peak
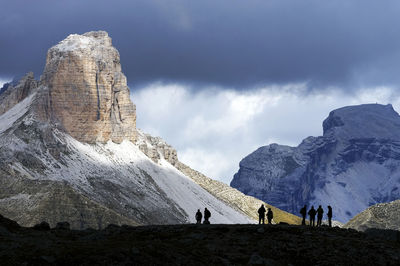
<point>354,164</point>
<point>364,121</point>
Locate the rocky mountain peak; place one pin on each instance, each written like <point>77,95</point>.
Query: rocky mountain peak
<point>94,42</point>
<point>87,91</point>
<point>355,164</point>
<point>363,121</point>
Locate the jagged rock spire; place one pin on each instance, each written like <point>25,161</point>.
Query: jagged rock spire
<point>16,92</point>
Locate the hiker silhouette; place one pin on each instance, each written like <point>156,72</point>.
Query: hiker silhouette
<point>312,212</point>
<point>270,215</point>
<point>199,216</point>
<point>320,214</point>
<point>207,215</point>
<point>303,212</point>
<point>330,216</point>
<point>261,214</point>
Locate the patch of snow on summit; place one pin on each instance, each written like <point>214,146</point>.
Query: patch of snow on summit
<point>73,42</point>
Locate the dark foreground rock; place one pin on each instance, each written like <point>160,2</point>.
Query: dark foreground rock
<point>195,245</point>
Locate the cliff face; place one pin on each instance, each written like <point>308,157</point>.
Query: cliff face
<point>87,92</point>
<point>355,164</point>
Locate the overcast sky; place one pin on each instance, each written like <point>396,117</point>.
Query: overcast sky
<point>219,78</point>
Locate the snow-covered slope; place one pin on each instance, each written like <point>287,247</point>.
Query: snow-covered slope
<point>355,164</point>
<point>128,162</point>
<point>160,151</point>
<point>8,119</point>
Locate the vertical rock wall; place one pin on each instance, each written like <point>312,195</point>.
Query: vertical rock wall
<point>87,92</point>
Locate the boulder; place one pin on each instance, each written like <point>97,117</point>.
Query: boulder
<point>43,226</point>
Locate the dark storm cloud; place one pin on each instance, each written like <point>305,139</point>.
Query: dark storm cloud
<point>223,42</point>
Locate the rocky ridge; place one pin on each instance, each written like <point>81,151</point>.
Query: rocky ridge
<point>380,216</point>
<point>157,149</point>
<point>355,164</point>
<point>11,94</point>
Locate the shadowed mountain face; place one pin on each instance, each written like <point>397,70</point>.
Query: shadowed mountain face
<point>355,164</point>
<point>70,151</point>
<point>196,245</point>
<point>381,216</point>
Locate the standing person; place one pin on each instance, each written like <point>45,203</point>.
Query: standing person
<point>199,216</point>
<point>270,215</point>
<point>330,216</point>
<point>261,214</point>
<point>207,215</point>
<point>303,213</point>
<point>320,214</point>
<point>312,212</point>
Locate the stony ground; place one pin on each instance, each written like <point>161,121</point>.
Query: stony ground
<point>195,245</point>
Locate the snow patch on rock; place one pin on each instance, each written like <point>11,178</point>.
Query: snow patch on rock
<point>8,119</point>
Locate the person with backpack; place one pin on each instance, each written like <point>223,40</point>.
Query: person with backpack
<point>207,215</point>
<point>199,216</point>
<point>261,214</point>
